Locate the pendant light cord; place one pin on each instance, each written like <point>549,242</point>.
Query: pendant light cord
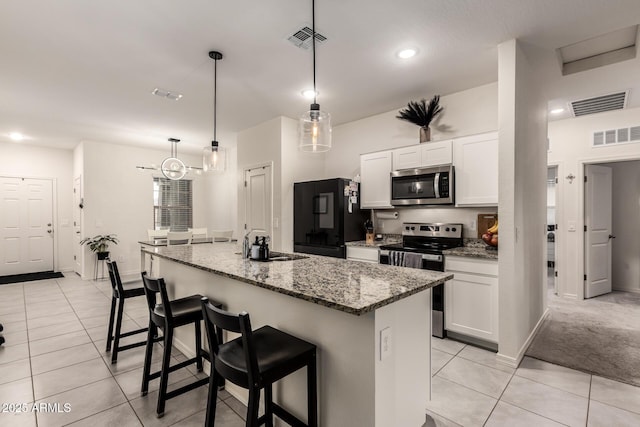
<point>313,47</point>
<point>215,98</point>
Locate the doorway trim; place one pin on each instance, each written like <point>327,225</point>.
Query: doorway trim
<point>244,198</point>
<point>54,212</point>
<point>582,162</point>
<point>559,265</point>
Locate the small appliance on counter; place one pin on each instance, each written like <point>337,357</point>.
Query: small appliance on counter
<point>421,247</point>
<point>326,214</point>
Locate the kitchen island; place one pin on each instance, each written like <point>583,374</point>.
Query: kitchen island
<point>371,323</point>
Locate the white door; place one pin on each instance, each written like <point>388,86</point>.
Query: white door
<point>258,199</point>
<point>77,226</point>
<point>598,234</point>
<point>26,225</point>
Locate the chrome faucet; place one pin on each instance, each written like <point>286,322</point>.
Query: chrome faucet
<point>246,245</point>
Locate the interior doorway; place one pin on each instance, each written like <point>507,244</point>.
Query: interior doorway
<point>26,225</point>
<point>621,239</point>
<point>258,197</point>
<point>78,253</point>
<point>552,183</point>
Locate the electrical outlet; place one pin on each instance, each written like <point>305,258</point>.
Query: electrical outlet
<point>386,343</point>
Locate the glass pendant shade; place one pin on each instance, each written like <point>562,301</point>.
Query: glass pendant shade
<point>213,158</point>
<point>314,129</point>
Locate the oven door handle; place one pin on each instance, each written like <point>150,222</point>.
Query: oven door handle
<point>436,185</point>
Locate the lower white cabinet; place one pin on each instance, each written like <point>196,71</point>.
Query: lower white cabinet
<point>359,253</point>
<point>471,297</point>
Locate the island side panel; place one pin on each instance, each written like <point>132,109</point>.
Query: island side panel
<point>403,361</point>
<point>346,348</point>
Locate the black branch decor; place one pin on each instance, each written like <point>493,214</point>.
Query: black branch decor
<point>420,112</point>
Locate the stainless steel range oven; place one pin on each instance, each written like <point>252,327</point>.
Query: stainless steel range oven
<point>425,241</point>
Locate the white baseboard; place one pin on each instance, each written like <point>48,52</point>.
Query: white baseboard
<point>622,289</point>
<point>514,362</point>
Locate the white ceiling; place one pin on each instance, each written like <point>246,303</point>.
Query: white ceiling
<point>73,70</point>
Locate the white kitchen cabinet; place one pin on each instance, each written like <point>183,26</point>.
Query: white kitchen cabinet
<point>423,155</point>
<point>407,157</point>
<point>436,153</point>
<point>471,297</point>
<point>375,180</point>
<point>359,253</point>
<point>476,169</point>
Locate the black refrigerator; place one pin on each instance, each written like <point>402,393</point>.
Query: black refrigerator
<point>326,214</point>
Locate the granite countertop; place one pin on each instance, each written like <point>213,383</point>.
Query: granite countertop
<point>473,248</point>
<point>350,286</point>
<point>387,239</point>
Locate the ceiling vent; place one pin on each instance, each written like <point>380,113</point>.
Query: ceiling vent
<point>616,136</point>
<point>600,104</point>
<point>302,38</point>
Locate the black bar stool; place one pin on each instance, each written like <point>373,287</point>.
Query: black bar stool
<point>120,292</point>
<point>167,316</point>
<point>255,361</point>
<point>1,337</point>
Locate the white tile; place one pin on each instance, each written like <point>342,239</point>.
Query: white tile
<point>439,359</point>
<point>623,396</point>
<point>435,420</point>
<point>476,376</point>
<point>15,371</point>
<point>505,414</point>
<point>601,415</point>
<point>48,345</point>
<point>83,401</point>
<point>61,358</point>
<point>484,357</point>
<point>70,377</point>
<point>18,419</point>
<point>52,320</point>
<point>558,405</point>
<point>566,379</point>
<point>19,391</point>
<point>12,353</point>
<point>447,345</point>
<point>55,330</point>
<point>122,415</point>
<point>458,403</point>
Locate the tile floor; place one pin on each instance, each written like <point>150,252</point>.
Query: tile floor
<point>56,330</point>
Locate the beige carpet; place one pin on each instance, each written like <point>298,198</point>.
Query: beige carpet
<point>595,336</point>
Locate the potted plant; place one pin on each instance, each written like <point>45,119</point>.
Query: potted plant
<point>421,113</point>
<point>99,244</point>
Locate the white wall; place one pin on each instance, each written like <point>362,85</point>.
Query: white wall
<point>570,142</point>
<point>38,162</point>
<point>522,200</point>
<point>118,198</point>
<point>625,252</point>
<point>221,195</point>
<point>465,113</point>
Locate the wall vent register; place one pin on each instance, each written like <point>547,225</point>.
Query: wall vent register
<point>616,136</point>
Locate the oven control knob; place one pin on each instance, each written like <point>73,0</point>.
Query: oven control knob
<point>413,228</point>
<point>406,228</point>
<point>446,229</point>
<point>453,229</point>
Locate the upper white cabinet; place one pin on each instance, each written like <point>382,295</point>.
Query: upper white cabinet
<point>423,155</point>
<point>436,153</point>
<point>375,180</point>
<point>476,169</point>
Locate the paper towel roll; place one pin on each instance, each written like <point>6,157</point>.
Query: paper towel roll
<point>387,215</point>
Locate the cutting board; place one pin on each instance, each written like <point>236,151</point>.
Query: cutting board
<point>486,221</point>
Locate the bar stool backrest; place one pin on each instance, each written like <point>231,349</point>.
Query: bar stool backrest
<point>153,287</point>
<point>155,234</point>
<point>179,238</point>
<point>241,324</point>
<point>199,232</point>
<point>114,276</point>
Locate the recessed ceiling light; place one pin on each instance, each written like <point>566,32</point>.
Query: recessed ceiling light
<point>407,53</point>
<point>557,111</point>
<point>16,136</point>
<point>309,93</point>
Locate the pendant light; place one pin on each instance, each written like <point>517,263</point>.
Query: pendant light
<point>213,158</point>
<point>172,167</point>
<point>314,125</point>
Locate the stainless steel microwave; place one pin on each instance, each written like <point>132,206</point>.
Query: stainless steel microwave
<point>424,186</point>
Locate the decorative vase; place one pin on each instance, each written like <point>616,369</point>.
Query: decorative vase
<point>102,255</point>
<point>425,134</point>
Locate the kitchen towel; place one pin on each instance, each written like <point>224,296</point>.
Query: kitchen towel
<point>396,258</point>
<point>412,260</point>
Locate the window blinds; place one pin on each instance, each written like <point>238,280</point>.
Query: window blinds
<point>172,204</point>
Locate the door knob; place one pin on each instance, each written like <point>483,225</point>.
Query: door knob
<point>611,236</point>
<point>49,231</point>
